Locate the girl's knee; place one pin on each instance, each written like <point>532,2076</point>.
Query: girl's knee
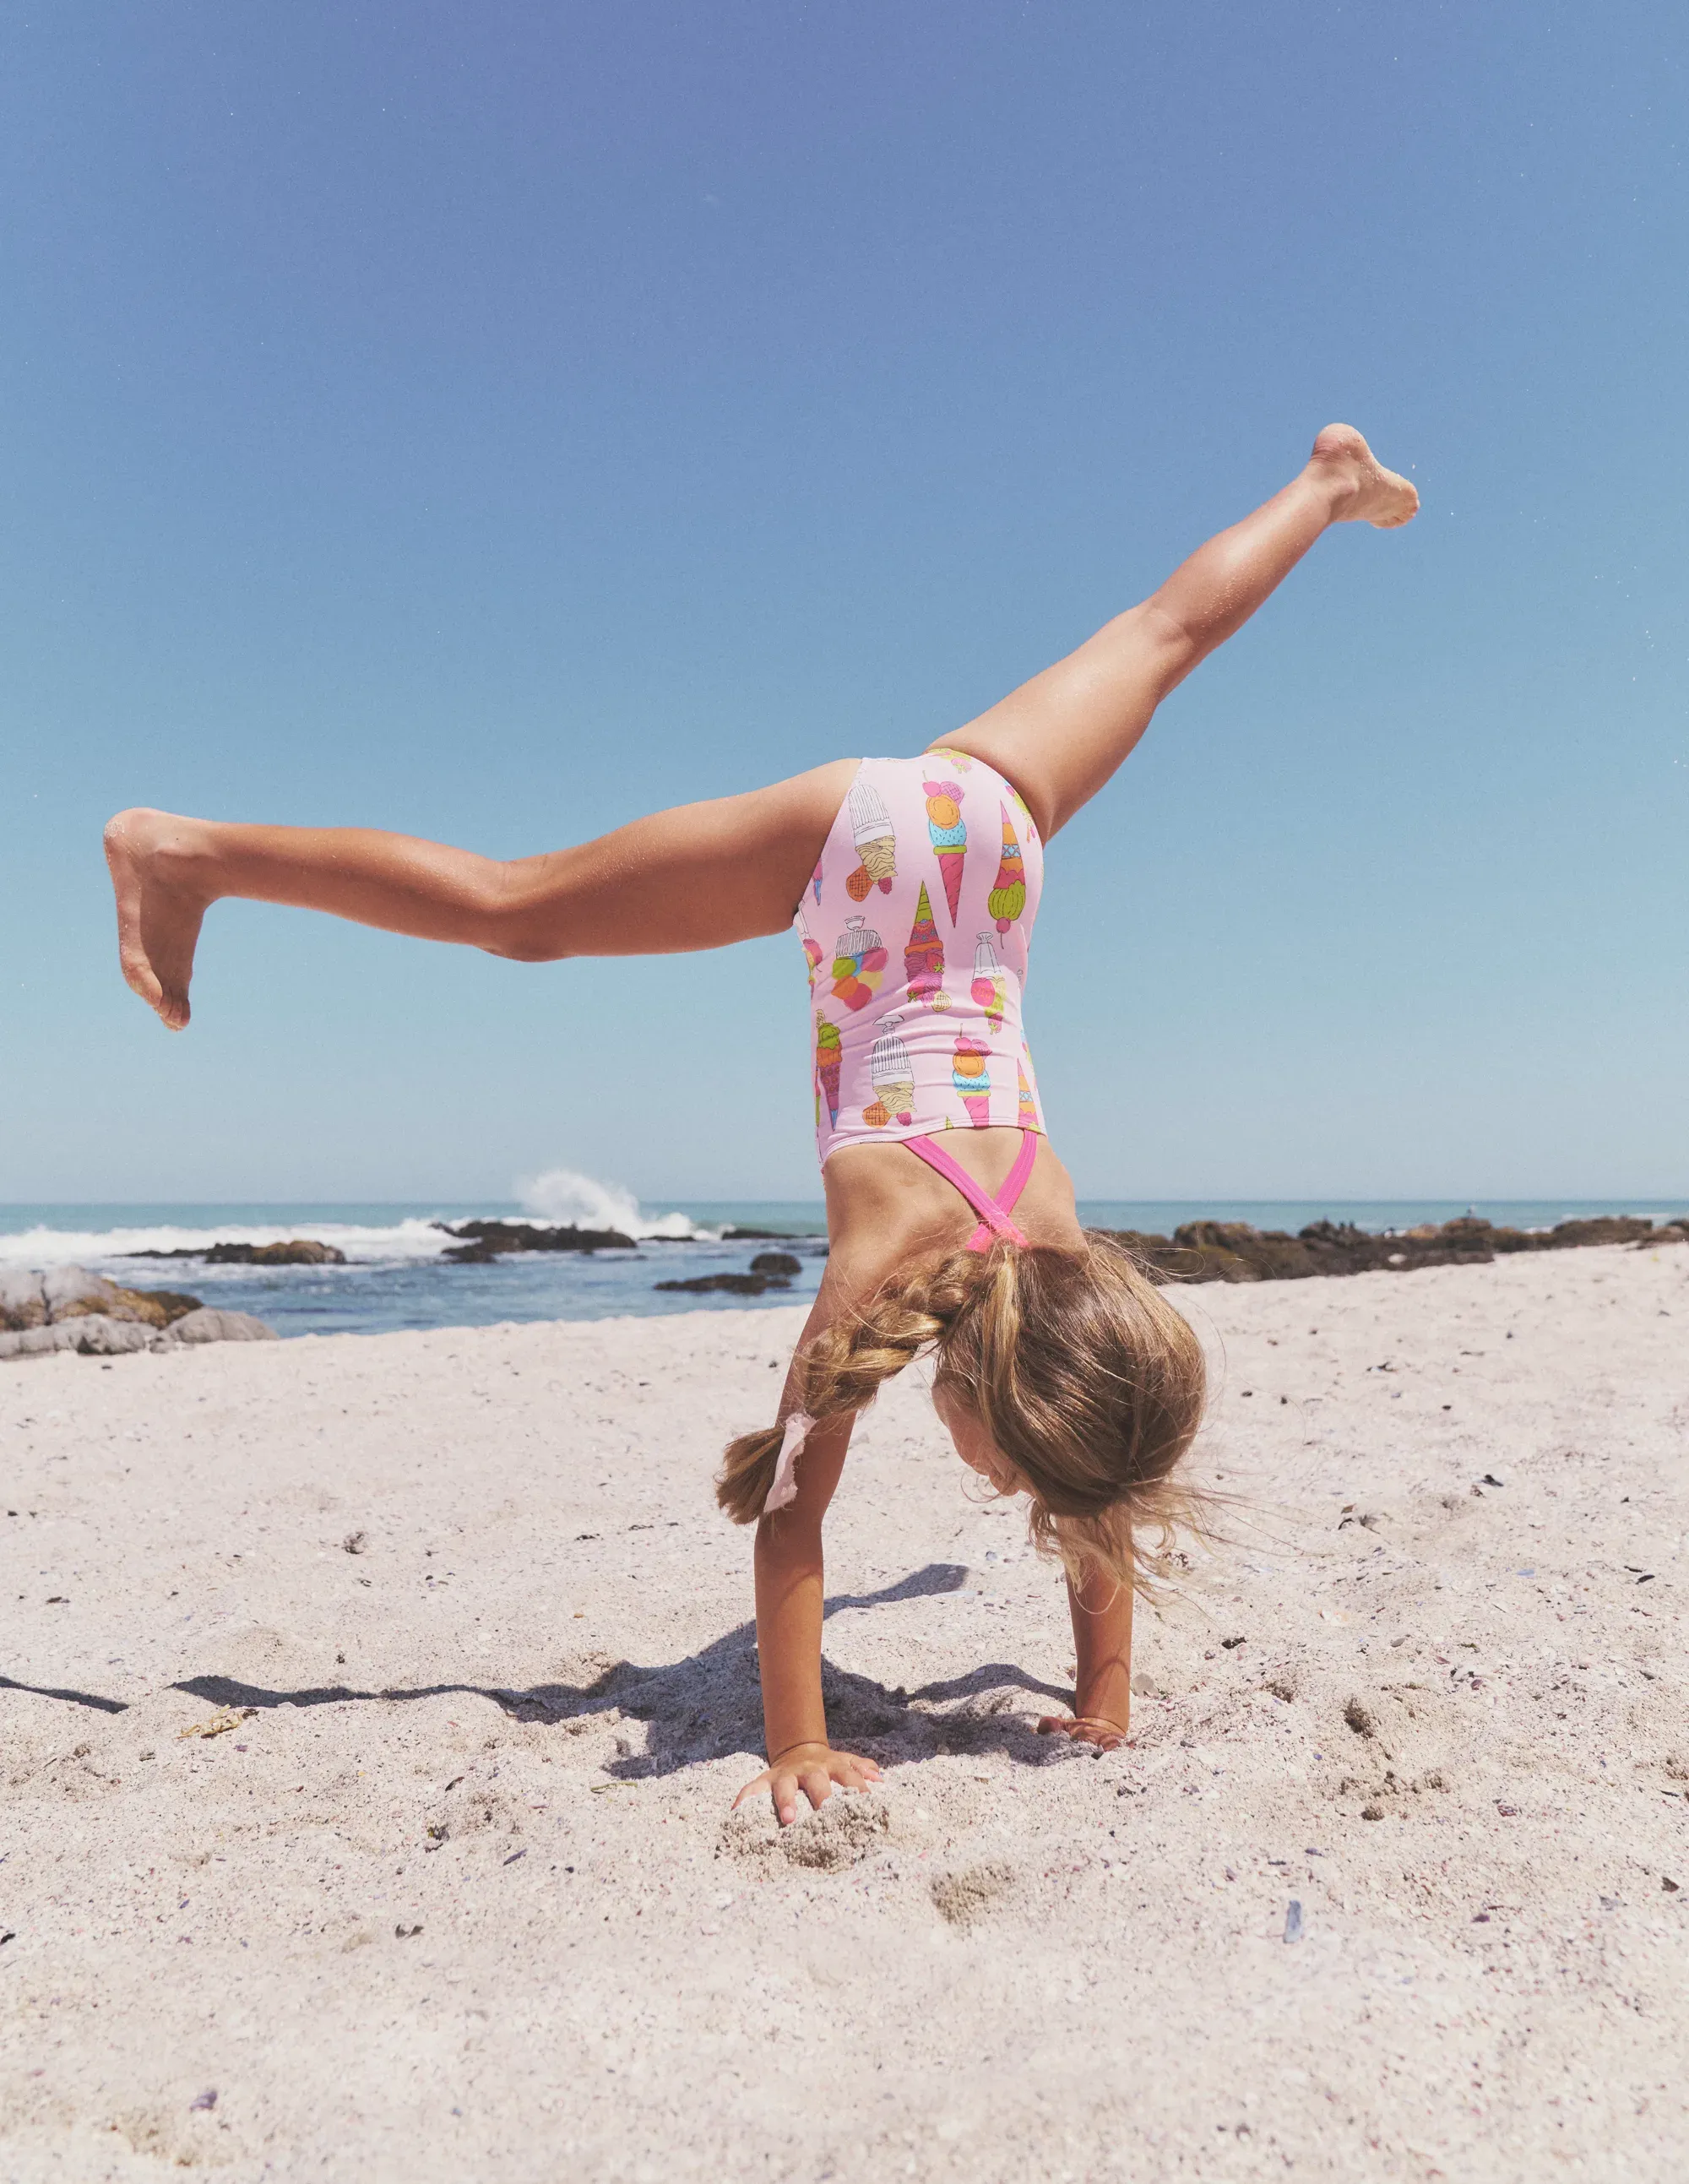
<point>515,923</point>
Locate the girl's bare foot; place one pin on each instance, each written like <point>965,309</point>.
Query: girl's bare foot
<point>1367,492</point>
<point>159,906</point>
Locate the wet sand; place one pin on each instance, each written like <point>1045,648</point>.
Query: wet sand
<point>455,1894</point>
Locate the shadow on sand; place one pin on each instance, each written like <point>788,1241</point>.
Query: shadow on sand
<point>710,1703</point>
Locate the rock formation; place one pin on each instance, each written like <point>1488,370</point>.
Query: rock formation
<point>486,1241</point>
<point>300,1251</point>
<point>68,1308</point>
<point>1233,1251</point>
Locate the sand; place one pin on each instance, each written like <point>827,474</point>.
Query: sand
<point>458,1895</point>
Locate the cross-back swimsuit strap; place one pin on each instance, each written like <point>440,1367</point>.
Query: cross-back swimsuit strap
<point>994,1213</point>
<point>995,1221</point>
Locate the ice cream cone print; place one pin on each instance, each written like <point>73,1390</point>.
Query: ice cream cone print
<point>947,830</point>
<point>1007,898</point>
<point>923,959</point>
<point>812,948</point>
<point>1026,1113</point>
<point>959,759</point>
<point>859,963</point>
<point>892,1074</point>
<point>815,881</point>
<point>971,1076</point>
<point>876,841</point>
<point>830,1054</point>
<point>988,988</point>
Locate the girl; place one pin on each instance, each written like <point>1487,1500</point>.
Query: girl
<point>1060,1373</point>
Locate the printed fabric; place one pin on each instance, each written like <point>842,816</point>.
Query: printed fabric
<point>916,927</point>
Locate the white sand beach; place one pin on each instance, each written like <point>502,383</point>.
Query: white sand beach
<point>457,1895</point>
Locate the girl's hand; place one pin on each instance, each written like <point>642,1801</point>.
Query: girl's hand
<point>813,1769</point>
<point>1082,1729</point>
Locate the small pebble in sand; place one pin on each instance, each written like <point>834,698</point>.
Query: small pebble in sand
<point>1293,1921</point>
<point>208,2099</point>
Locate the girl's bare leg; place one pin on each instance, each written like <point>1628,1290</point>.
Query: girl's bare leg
<point>1060,736</point>
<point>698,877</point>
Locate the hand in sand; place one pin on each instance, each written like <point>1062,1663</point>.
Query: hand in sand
<point>1082,1729</point>
<point>814,1769</point>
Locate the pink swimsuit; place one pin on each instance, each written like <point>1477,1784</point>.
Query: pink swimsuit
<point>916,927</point>
<point>940,847</point>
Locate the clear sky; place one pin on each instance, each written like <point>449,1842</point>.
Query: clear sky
<point>496,420</point>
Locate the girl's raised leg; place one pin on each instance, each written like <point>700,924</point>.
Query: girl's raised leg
<point>1061,737</point>
<point>700,876</point>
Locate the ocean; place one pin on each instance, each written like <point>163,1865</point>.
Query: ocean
<point>396,1276</point>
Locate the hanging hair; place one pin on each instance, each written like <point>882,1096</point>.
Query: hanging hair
<point>1086,1381</point>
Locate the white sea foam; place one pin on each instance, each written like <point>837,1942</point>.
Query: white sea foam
<point>41,1246</point>
<point>564,1195</point>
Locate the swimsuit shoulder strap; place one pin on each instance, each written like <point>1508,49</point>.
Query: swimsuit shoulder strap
<point>993,1211</point>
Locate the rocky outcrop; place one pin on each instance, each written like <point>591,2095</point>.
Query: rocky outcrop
<point>211,1324</point>
<point>776,1263</point>
<point>68,1308</point>
<point>734,1285</point>
<point>1232,1251</point>
<point>486,1241</point>
<point>94,1333</point>
<point>23,1303</point>
<point>300,1251</point>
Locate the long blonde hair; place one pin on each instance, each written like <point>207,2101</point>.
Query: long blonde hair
<point>1084,1378</point>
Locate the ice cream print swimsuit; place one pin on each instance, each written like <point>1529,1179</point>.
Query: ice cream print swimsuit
<point>916,927</point>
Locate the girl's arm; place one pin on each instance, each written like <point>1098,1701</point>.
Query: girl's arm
<point>789,1587</point>
<point>1101,1611</point>
<point>789,1598</point>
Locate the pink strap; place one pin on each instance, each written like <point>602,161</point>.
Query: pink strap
<point>994,1211</point>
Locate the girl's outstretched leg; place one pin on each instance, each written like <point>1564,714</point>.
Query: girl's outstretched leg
<point>701,875</point>
<point>1061,737</point>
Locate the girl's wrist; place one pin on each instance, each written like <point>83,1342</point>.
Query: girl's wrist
<point>802,1744</point>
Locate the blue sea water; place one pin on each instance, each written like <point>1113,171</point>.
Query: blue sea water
<point>395,1276</point>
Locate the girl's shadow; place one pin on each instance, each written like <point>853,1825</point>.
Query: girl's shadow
<point>711,1703</point>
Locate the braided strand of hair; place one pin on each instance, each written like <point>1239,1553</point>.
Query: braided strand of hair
<point>842,1366</point>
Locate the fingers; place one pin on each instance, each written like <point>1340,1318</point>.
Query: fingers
<point>749,1788</point>
<point>1080,1731</point>
<point>785,1795</point>
<point>815,1782</point>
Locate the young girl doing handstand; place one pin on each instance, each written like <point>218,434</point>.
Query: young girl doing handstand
<point>1061,1373</point>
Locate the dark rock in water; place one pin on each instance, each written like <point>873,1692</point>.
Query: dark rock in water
<point>776,1263</point>
<point>734,1235</point>
<point>1233,1251</point>
<point>301,1251</point>
<point>735,1284</point>
<point>486,1241</point>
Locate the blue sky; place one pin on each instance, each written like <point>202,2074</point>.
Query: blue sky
<point>496,421</point>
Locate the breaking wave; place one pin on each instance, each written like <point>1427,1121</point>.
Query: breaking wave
<point>562,1196</point>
